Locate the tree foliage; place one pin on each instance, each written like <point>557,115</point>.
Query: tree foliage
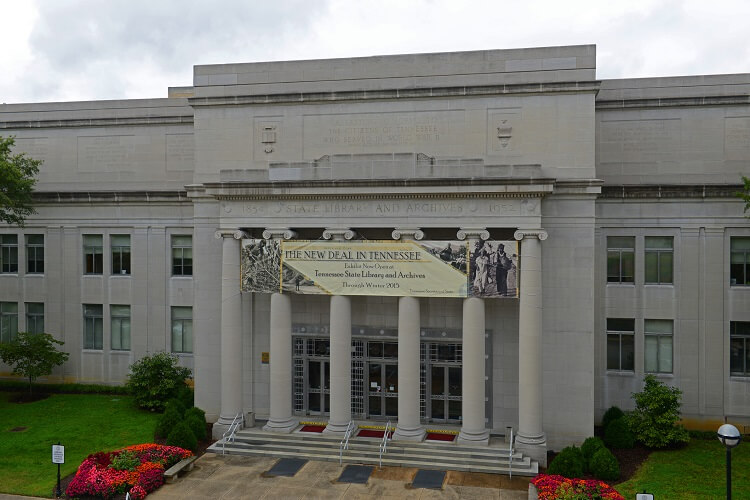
<point>32,355</point>
<point>155,379</point>
<point>17,179</point>
<point>657,411</point>
<point>745,193</point>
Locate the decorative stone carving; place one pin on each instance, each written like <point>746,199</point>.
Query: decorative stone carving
<point>279,233</point>
<point>338,233</point>
<point>530,233</point>
<point>408,233</point>
<point>473,233</point>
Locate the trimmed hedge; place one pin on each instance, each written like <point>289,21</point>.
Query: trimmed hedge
<point>568,463</point>
<point>612,414</point>
<point>183,437</point>
<point>590,446</point>
<point>168,421</point>
<point>618,434</point>
<point>605,466</point>
<point>197,425</point>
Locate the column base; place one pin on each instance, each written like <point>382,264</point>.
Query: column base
<point>222,425</point>
<point>409,434</point>
<point>337,429</point>
<point>534,447</point>
<point>474,437</point>
<point>281,426</point>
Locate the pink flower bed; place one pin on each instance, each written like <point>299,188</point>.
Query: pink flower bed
<point>551,487</point>
<point>141,474</point>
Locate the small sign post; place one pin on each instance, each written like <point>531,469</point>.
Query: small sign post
<point>58,457</point>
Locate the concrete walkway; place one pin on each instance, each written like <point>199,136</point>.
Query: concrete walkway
<point>235,477</point>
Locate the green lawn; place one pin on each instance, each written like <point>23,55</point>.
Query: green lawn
<point>83,423</point>
<point>696,471</point>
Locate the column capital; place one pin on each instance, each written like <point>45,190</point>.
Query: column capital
<point>541,234</point>
<point>473,233</point>
<point>237,234</point>
<point>278,233</point>
<point>407,233</point>
<point>338,233</point>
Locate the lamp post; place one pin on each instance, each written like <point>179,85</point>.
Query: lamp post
<point>729,437</point>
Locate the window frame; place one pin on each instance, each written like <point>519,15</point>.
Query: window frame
<point>182,322</point>
<point>650,332</point>
<point>97,264</point>
<point>620,251</point>
<point>619,333</point>
<point>660,253</point>
<point>34,318</point>
<point>744,337</point>
<point>745,265</point>
<point>117,319</point>
<point>175,247</point>
<point>34,249</point>
<point>8,322</point>
<point>92,321</point>
<point>8,254</point>
<point>121,255</point>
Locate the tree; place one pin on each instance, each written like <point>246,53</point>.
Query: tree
<point>657,413</point>
<point>17,179</point>
<point>154,379</point>
<point>32,355</point>
<point>745,193</point>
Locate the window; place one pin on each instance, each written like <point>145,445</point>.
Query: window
<point>739,261</point>
<point>659,260</point>
<point>35,253</point>
<point>182,255</point>
<point>92,254</point>
<point>92,326</point>
<point>120,244</point>
<point>120,321</point>
<point>35,317</point>
<point>8,321</point>
<point>658,345</point>
<point>739,348</point>
<point>620,259</point>
<point>620,344</point>
<point>182,329</point>
<point>8,253</point>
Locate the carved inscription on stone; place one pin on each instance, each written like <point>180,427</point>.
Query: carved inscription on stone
<point>113,153</point>
<point>180,151</point>
<point>638,140</point>
<point>737,138</point>
<point>35,147</point>
<point>429,132</point>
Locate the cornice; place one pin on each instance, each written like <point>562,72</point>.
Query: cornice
<point>670,191</point>
<point>673,102</point>
<point>397,94</point>
<point>97,122</point>
<point>55,197</point>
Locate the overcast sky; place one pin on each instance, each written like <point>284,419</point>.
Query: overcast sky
<point>62,50</point>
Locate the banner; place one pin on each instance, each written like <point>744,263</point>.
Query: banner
<point>384,268</point>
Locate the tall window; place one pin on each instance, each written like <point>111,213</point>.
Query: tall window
<point>658,345</point>
<point>120,321</point>
<point>182,329</point>
<point>35,253</point>
<point>739,261</point>
<point>659,260</point>
<point>92,254</point>
<point>120,244</point>
<point>739,348</point>
<point>8,253</point>
<point>620,344</point>
<point>35,317</point>
<point>92,326</point>
<point>620,259</point>
<point>8,321</point>
<point>182,255</point>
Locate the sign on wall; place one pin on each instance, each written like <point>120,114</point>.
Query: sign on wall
<point>385,268</point>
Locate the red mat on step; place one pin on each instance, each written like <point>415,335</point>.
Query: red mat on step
<point>372,433</point>
<point>439,436</point>
<point>313,428</point>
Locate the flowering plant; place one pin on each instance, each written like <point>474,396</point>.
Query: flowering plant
<point>104,474</point>
<point>553,487</point>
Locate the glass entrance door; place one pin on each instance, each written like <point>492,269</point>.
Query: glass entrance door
<point>445,393</point>
<point>382,389</point>
<point>318,387</point>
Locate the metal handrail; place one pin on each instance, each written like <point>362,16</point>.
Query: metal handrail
<point>510,455</point>
<point>344,445</point>
<point>384,444</point>
<point>239,419</point>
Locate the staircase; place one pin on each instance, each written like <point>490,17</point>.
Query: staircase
<point>439,455</point>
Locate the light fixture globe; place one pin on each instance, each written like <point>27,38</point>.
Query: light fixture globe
<point>729,435</point>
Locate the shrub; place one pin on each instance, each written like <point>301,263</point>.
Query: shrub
<point>155,379</point>
<point>196,411</point>
<point>197,425</point>
<point>186,395</point>
<point>183,437</point>
<point>618,434</point>
<point>169,419</point>
<point>568,463</point>
<point>177,405</point>
<point>613,413</point>
<point>588,448</point>
<point>657,411</point>
<point>604,465</point>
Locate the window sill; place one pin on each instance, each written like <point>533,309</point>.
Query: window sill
<point>14,275</point>
<point>621,373</point>
<point>183,354</point>
<point>92,351</point>
<point>614,283</point>
<point>658,285</point>
<point>739,378</point>
<point>120,275</point>
<point>661,374</point>
<point>120,352</point>
<point>92,275</point>
<point>180,277</point>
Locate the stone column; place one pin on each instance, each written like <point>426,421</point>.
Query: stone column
<point>531,438</point>
<point>231,330</point>
<point>341,351</point>
<point>280,414</point>
<point>408,427</point>
<point>473,380</point>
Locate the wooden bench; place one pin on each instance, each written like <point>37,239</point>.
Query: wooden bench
<point>185,464</point>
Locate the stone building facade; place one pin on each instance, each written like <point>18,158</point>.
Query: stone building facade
<point>633,251</point>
